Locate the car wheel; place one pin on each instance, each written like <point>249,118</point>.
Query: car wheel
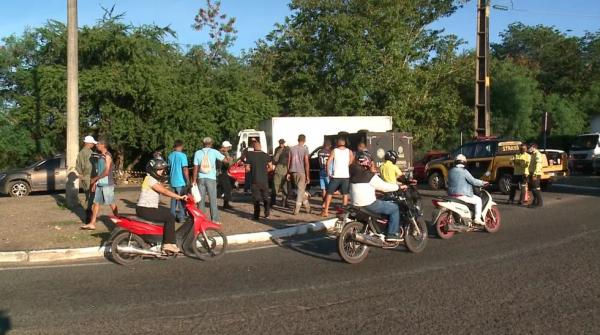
<point>19,188</point>
<point>504,183</point>
<point>436,181</point>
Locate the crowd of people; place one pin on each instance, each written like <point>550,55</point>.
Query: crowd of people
<point>353,175</point>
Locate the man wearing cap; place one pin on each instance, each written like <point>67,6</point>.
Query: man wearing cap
<point>223,179</point>
<point>280,183</point>
<point>84,168</point>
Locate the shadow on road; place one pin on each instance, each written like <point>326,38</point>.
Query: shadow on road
<point>5,324</point>
<point>61,201</point>
<point>318,248</point>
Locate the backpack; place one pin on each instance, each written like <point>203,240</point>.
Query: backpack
<point>205,166</point>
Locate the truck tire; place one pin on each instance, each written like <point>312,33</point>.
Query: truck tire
<point>436,181</point>
<point>504,183</point>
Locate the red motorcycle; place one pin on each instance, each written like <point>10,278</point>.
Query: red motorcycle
<point>135,238</point>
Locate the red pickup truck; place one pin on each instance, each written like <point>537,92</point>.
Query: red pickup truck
<point>419,166</point>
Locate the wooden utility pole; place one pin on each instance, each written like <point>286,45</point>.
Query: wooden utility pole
<point>72,104</point>
<point>482,78</point>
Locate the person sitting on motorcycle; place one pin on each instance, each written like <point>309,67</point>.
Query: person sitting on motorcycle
<point>389,171</point>
<point>363,185</point>
<point>460,185</point>
<point>147,207</point>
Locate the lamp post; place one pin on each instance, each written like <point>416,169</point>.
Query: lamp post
<point>72,187</point>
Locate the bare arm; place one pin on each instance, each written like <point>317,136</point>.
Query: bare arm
<point>165,191</point>
<point>307,168</point>
<point>194,174</point>
<point>329,163</point>
<point>186,174</point>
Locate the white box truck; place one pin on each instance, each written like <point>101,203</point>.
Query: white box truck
<point>315,128</point>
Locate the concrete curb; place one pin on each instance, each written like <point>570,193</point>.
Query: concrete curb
<point>54,255</point>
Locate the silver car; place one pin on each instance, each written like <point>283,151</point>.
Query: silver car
<point>46,175</point>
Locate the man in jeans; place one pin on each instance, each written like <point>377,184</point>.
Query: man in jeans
<point>280,183</point>
<point>178,179</point>
<point>84,168</point>
<point>298,168</point>
<point>205,176</point>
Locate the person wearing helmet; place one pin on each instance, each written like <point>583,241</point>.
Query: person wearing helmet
<point>147,207</point>
<point>363,185</point>
<point>390,172</point>
<point>460,185</point>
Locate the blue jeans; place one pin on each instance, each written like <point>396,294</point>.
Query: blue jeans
<point>209,186</point>
<point>390,209</point>
<point>178,206</point>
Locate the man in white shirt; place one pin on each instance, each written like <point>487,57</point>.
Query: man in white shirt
<point>364,184</point>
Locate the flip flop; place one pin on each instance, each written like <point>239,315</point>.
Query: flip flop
<point>87,228</point>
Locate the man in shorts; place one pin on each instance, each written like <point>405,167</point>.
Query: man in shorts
<point>339,161</point>
<point>102,184</point>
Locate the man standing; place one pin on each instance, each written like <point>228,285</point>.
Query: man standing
<point>299,172</point>
<point>205,176</point>
<point>102,184</point>
<point>280,183</point>
<point>223,179</point>
<point>178,178</point>
<point>535,171</point>
<point>519,178</point>
<point>339,161</point>
<point>323,155</point>
<point>84,168</point>
<point>259,164</point>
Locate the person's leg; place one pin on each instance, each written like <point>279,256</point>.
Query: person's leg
<point>536,191</point>
<point>514,183</point>
<point>392,211</point>
<point>203,193</point>
<point>109,198</point>
<point>256,198</point>
<point>266,200</point>
<point>300,181</point>
<point>86,204</point>
<point>334,184</point>
<point>211,186</point>
<point>345,188</point>
<point>247,182</point>
<point>174,203</point>
<point>98,200</point>
<point>476,201</point>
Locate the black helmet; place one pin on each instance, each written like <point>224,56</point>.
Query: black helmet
<point>364,159</point>
<point>154,165</point>
<point>391,156</point>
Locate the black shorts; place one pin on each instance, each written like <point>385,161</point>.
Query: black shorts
<point>342,184</point>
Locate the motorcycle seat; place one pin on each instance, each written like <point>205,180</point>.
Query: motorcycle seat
<point>452,199</point>
<point>139,219</point>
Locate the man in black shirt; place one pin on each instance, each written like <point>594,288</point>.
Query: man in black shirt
<point>258,164</point>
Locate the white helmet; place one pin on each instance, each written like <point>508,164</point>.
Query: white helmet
<point>460,159</point>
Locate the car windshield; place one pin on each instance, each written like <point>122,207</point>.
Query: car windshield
<point>585,142</point>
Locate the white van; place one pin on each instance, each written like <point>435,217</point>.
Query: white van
<point>584,150</point>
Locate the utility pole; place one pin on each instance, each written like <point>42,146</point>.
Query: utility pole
<point>72,189</point>
<point>482,78</point>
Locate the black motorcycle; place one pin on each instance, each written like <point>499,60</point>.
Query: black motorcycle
<point>357,228</point>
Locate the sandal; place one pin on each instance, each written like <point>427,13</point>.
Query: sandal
<point>170,249</point>
<point>87,227</point>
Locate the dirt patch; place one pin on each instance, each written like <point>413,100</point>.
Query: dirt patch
<point>42,221</point>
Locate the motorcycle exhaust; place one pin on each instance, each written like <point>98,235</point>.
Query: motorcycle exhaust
<point>137,251</point>
<point>368,240</point>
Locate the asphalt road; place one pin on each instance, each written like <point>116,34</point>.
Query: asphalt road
<point>539,275</point>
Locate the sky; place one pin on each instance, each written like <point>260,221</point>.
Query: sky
<point>256,18</point>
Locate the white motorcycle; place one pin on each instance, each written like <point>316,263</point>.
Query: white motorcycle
<point>456,216</point>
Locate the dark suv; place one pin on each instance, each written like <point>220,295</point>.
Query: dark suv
<point>46,175</point>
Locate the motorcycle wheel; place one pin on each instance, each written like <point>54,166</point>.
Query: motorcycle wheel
<point>351,251</point>
<point>441,225</point>
<point>124,239</point>
<point>492,220</point>
<point>211,249</point>
<point>414,242</point>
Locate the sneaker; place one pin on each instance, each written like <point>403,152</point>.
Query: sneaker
<point>392,238</point>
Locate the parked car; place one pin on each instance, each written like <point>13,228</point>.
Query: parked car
<point>488,155</point>
<point>46,175</point>
<point>584,150</point>
<point>419,166</point>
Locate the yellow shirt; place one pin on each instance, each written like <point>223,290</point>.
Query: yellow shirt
<point>522,161</point>
<point>390,172</point>
<point>535,167</point>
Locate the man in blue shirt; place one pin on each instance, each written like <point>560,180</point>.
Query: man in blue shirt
<point>460,185</point>
<point>178,178</point>
<point>205,175</point>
